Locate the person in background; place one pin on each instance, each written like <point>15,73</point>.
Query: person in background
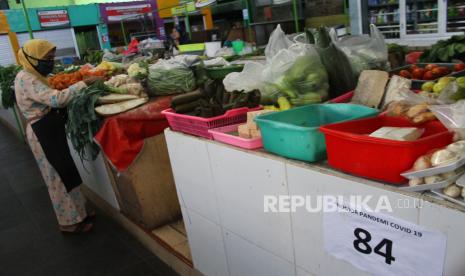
<point>175,36</point>
<point>43,108</point>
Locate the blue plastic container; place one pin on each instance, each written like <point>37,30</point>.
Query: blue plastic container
<point>294,133</point>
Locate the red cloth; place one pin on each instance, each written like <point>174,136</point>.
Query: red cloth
<point>121,137</point>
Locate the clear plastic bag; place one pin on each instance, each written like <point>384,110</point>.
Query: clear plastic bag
<point>292,70</point>
<point>452,116</point>
<point>278,41</point>
<point>170,77</point>
<point>296,73</point>
<point>430,98</point>
<point>248,80</point>
<point>364,52</point>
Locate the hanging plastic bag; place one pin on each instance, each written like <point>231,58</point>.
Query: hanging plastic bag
<point>296,73</point>
<point>278,41</point>
<point>246,81</point>
<point>170,77</point>
<point>452,116</point>
<point>335,61</point>
<point>364,52</point>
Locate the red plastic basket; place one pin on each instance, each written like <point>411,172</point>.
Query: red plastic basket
<point>345,98</point>
<point>199,126</point>
<point>351,150</point>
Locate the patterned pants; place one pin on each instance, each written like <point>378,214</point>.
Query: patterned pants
<point>69,207</point>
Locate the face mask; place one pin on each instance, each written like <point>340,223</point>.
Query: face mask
<point>43,67</point>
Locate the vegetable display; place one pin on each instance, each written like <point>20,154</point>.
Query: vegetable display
<point>62,81</point>
<point>167,78</point>
<point>428,72</point>
<point>137,71</point>
<point>213,100</point>
<point>446,50</point>
<point>7,79</point>
<point>83,123</point>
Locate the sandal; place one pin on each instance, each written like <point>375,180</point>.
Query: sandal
<point>80,228</point>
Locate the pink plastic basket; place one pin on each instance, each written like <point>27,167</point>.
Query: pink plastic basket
<point>199,126</point>
<point>221,134</point>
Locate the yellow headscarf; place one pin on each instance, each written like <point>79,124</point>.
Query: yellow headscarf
<point>36,48</point>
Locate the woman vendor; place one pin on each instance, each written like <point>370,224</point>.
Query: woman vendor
<point>43,108</point>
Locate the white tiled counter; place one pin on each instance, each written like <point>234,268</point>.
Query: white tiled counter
<point>221,189</point>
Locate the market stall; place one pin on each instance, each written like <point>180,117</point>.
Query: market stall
<point>230,233</point>
<point>312,117</point>
<point>250,199</point>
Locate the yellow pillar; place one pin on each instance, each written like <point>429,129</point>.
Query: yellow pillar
<point>5,29</point>
<point>207,17</point>
<point>164,7</point>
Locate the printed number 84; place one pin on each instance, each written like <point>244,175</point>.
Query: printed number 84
<point>362,246</point>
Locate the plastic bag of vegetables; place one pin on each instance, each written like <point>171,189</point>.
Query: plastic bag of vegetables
<point>296,73</point>
<point>341,77</point>
<point>168,77</point>
<point>364,52</point>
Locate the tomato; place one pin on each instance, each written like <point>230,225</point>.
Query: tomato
<point>405,74</point>
<point>430,67</point>
<point>441,71</point>
<point>418,73</point>
<point>429,75</point>
<point>413,67</point>
<point>459,67</point>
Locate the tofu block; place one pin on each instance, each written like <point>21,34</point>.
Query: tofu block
<point>255,133</point>
<point>244,131</point>
<point>252,126</point>
<point>252,114</point>
<point>370,88</point>
<point>398,133</point>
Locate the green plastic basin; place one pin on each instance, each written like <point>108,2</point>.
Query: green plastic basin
<point>295,133</point>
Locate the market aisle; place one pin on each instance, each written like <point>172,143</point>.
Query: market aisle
<point>30,243</point>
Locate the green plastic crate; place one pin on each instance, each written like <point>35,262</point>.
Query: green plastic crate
<point>295,133</point>
<point>195,47</point>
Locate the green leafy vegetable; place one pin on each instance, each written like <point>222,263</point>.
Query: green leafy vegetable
<point>83,123</point>
<point>7,79</point>
<point>446,50</point>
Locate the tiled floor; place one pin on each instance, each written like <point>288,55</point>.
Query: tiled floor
<point>30,243</point>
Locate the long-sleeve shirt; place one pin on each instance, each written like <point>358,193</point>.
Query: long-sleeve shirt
<point>35,99</point>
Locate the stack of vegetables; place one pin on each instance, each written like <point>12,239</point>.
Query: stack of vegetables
<point>119,94</point>
<point>429,72</point>
<point>83,123</point>
<point>64,80</point>
<point>213,100</point>
<point>127,93</point>
<point>446,50</point>
<point>168,77</point>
